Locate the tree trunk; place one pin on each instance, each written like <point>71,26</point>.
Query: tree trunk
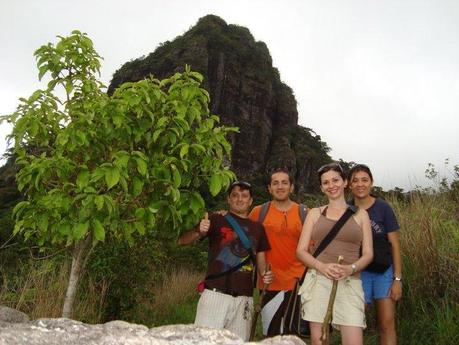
<point>78,264</point>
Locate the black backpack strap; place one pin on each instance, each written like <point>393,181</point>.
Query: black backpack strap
<point>263,211</point>
<point>351,210</point>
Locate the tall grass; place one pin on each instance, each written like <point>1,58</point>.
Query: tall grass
<point>428,311</point>
<point>430,246</point>
<point>429,308</point>
<point>171,300</point>
<point>38,289</point>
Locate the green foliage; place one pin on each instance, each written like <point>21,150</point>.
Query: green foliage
<point>114,166</point>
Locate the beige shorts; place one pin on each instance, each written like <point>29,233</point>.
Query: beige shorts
<point>221,311</point>
<point>349,306</point>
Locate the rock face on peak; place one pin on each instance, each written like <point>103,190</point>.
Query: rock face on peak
<point>246,91</point>
<point>71,332</point>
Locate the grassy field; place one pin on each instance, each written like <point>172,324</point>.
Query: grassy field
<point>428,312</point>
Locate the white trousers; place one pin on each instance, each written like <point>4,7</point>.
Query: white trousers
<point>218,310</point>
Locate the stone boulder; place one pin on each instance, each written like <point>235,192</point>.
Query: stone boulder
<point>71,332</point>
<point>12,315</point>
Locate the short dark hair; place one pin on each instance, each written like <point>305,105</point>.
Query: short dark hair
<point>280,170</point>
<point>243,185</point>
<point>331,166</point>
<point>359,167</point>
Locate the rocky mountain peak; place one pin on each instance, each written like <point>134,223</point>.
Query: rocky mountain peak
<point>246,91</point>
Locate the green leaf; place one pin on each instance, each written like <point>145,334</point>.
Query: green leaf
<point>177,178</point>
<point>157,133</point>
<point>18,227</point>
<point>140,227</point>
<point>162,121</point>
<point>122,160</point>
<point>99,231</point>
<point>137,186</point>
<point>68,87</point>
<point>43,222</point>
<point>109,204</point>
<point>198,148</point>
<point>62,139</point>
<point>141,166</point>
<point>182,123</point>
<point>140,213</point>
<point>81,138</point>
<point>215,184</point>
<point>42,70</point>
<point>82,179</point>
<point>124,184</point>
<point>155,206</point>
<point>175,194</point>
<point>112,176</point>
<point>184,150</point>
<point>64,229</point>
<point>99,201</point>
<point>80,230</point>
<point>19,208</point>
<point>196,203</point>
<point>197,75</point>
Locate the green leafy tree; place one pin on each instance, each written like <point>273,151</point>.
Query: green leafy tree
<point>93,165</point>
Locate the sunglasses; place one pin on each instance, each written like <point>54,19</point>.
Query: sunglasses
<point>330,166</point>
<point>240,183</point>
<point>358,166</point>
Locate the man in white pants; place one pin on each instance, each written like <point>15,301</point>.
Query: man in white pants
<point>226,301</point>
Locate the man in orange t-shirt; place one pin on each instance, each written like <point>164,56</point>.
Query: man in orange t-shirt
<point>283,224</point>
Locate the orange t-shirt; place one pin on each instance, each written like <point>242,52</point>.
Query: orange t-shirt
<point>283,229</point>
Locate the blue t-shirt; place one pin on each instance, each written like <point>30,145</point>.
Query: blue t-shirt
<point>383,221</point>
<point>382,218</point>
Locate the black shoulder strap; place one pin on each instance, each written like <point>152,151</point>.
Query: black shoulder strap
<point>333,232</point>
<point>263,211</point>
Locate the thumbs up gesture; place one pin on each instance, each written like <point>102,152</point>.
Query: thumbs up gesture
<point>204,225</point>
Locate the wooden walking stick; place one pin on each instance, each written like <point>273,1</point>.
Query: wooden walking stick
<point>325,337</point>
<point>257,307</point>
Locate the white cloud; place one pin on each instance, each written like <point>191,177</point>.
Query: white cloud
<point>377,80</point>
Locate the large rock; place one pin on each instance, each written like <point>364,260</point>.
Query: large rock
<point>70,332</point>
<point>12,315</point>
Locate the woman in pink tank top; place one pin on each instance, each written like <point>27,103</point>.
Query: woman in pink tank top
<point>349,307</point>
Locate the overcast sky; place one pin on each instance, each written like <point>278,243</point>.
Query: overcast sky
<point>377,80</point>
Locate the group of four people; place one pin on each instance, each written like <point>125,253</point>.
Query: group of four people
<point>279,237</point>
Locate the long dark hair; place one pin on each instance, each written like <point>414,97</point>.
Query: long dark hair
<point>359,167</point>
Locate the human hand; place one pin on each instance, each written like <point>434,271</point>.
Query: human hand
<point>204,224</point>
<point>346,271</point>
<point>396,290</point>
<point>268,277</point>
<point>331,271</point>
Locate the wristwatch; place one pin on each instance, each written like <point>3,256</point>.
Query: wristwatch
<point>399,279</point>
<point>354,268</point>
